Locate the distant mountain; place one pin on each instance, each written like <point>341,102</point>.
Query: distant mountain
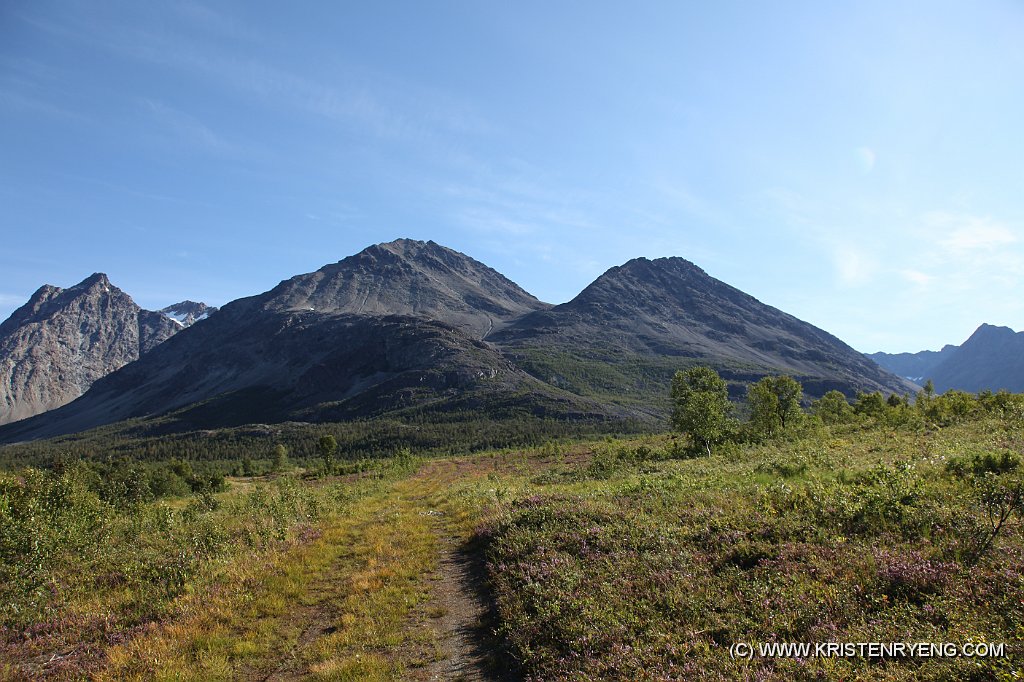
<point>412,328</point>
<point>625,335</point>
<point>187,313</point>
<point>53,348</point>
<point>916,367</point>
<point>991,359</point>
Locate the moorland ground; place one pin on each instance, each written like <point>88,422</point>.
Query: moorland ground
<point>619,558</point>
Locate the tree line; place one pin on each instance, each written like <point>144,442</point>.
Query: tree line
<point>701,408</point>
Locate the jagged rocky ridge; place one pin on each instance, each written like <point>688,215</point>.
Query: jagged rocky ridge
<point>61,341</point>
<point>412,327</point>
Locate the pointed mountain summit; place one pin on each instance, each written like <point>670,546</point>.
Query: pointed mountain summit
<point>395,328</point>
<point>53,348</point>
<point>635,325</point>
<point>407,277</point>
<point>991,359</point>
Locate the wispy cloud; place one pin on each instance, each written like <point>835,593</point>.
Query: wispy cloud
<point>29,86</point>
<point>866,159</point>
<point>17,101</point>
<point>917,277</point>
<point>338,92</point>
<point>854,266</point>
<point>678,195</point>
<point>187,129</point>
<point>962,233</point>
<point>202,16</point>
<point>855,262</point>
<point>517,200</point>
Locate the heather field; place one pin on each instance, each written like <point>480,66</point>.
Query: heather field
<point>639,566</point>
<point>621,558</point>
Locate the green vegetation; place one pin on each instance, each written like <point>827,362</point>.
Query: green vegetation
<point>700,406</point>
<point>327,446</point>
<point>890,522</point>
<point>223,451</point>
<point>774,404</point>
<point>633,558</point>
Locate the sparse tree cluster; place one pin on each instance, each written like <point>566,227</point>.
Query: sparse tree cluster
<point>774,405</point>
<point>700,406</point>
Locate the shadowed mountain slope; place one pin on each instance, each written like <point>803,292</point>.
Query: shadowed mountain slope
<point>991,359</point>
<point>409,328</point>
<point>395,327</point>
<point>636,324</point>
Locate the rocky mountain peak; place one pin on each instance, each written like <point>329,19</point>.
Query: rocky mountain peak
<point>96,279</point>
<point>406,277</point>
<point>990,333</point>
<point>668,312</point>
<point>660,287</point>
<point>675,264</point>
<point>55,346</point>
<point>186,313</point>
<point>991,358</point>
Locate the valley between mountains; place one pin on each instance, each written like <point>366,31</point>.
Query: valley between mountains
<point>403,466</point>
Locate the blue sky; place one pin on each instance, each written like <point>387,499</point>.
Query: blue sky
<point>859,165</point>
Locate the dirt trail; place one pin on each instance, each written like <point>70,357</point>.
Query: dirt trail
<point>456,594</point>
<point>455,621</point>
<point>459,610</point>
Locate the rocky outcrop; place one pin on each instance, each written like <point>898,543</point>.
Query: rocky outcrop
<point>61,341</point>
<point>187,313</point>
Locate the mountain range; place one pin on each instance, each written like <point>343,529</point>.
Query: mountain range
<point>991,359</point>
<point>413,329</point>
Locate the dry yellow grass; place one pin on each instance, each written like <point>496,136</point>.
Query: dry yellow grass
<point>336,608</point>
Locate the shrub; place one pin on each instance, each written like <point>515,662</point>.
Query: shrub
<point>983,463</point>
<point>832,408</point>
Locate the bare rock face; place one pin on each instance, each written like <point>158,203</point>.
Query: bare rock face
<point>407,277</point>
<point>187,313</point>
<point>55,346</point>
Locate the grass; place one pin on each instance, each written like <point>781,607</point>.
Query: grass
<point>333,608</point>
<point>631,567</point>
<point>619,559</point>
